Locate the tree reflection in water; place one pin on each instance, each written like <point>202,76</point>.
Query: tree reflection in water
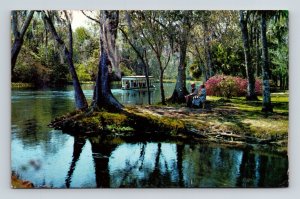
<point>79,143</point>
<point>101,151</point>
<point>119,164</point>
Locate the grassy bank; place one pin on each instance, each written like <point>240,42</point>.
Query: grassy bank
<point>21,85</point>
<point>235,122</point>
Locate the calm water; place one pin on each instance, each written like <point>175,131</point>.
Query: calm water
<point>50,158</point>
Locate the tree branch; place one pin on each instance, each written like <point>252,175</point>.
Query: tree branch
<point>26,23</point>
<point>70,33</point>
<point>133,46</point>
<point>91,18</point>
<point>52,29</point>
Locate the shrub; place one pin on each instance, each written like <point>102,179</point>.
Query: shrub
<point>230,86</point>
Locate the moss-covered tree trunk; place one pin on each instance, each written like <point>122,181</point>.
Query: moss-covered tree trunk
<point>251,95</point>
<point>266,104</point>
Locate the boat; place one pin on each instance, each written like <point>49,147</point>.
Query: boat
<point>136,82</point>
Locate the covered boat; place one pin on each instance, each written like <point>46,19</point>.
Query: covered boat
<point>136,82</point>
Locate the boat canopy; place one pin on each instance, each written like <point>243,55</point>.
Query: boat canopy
<point>136,82</point>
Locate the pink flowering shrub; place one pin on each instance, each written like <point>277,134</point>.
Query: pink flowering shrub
<point>230,86</point>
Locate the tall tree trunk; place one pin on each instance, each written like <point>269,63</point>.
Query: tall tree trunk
<point>180,88</point>
<point>103,95</point>
<point>266,104</point>
<point>203,68</point>
<point>209,62</point>
<point>80,100</point>
<point>286,85</point>
<point>18,36</point>
<point>147,83</point>
<point>251,95</point>
<point>257,53</point>
<point>207,50</point>
<point>162,91</point>
<point>146,71</point>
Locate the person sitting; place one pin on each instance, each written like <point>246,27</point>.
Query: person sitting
<point>127,85</point>
<point>200,98</point>
<point>189,97</point>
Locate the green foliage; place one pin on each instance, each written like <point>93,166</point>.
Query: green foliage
<point>81,34</point>
<point>42,63</point>
<point>82,72</point>
<point>229,60</point>
<point>195,71</point>
<point>125,70</point>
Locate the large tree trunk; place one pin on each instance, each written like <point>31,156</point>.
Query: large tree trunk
<point>18,36</point>
<point>266,104</point>
<point>80,100</point>
<point>16,48</point>
<point>103,95</point>
<point>251,95</point>
<point>180,88</point>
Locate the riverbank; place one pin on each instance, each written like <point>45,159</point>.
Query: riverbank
<point>235,122</point>
<point>17,183</point>
<point>21,85</point>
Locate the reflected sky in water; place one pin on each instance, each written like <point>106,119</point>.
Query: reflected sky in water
<point>50,158</point>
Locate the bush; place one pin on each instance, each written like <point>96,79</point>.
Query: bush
<point>229,86</point>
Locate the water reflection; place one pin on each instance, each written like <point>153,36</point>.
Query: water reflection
<point>79,143</point>
<point>178,165</point>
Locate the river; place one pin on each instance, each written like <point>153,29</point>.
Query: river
<point>50,158</point>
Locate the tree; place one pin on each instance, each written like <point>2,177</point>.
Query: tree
<point>214,46</point>
<point>80,100</point>
<point>103,97</point>
<point>18,35</point>
<point>157,39</point>
<point>138,45</point>
<point>266,104</point>
<point>278,48</point>
<point>251,95</point>
<point>182,31</point>
<point>207,42</point>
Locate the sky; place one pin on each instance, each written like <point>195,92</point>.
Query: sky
<point>79,20</point>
